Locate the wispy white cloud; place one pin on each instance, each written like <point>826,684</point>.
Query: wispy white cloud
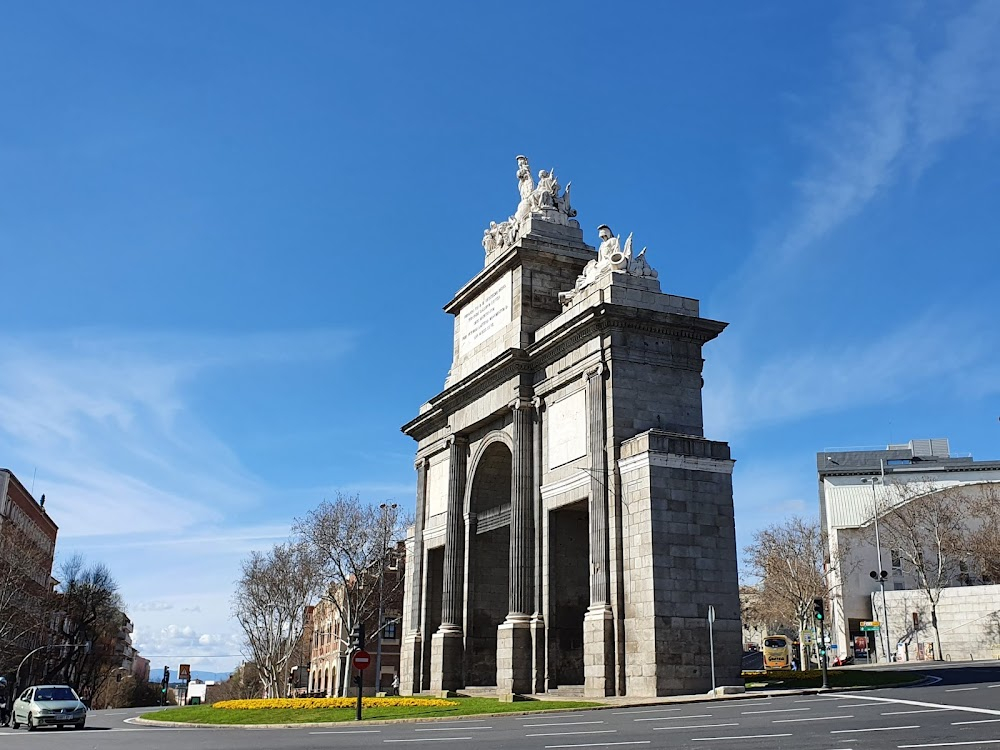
<point>898,103</point>
<point>135,477</point>
<point>832,377</point>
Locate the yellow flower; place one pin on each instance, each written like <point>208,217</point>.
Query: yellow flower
<point>308,703</point>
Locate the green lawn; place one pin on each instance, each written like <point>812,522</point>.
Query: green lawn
<point>465,707</point>
<point>813,678</point>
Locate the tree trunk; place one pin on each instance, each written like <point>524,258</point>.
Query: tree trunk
<point>938,656</point>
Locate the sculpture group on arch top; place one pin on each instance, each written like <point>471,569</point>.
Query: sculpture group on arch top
<point>544,201</point>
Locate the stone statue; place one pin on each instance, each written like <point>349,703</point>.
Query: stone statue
<point>611,258</point>
<point>609,243</point>
<point>542,200</point>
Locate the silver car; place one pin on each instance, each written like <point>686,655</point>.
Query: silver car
<point>48,705</point>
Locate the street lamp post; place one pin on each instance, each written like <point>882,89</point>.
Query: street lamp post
<point>386,508</point>
<point>881,575</point>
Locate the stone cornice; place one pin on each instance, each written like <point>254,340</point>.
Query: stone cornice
<point>674,461</point>
<point>511,363</point>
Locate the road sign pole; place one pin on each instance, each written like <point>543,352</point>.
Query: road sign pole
<point>711,643</point>
<point>357,715</point>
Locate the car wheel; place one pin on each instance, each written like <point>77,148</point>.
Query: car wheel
<point>14,723</point>
<point>80,725</point>
<point>30,723</point>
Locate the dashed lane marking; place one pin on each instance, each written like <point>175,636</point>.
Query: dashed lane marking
<point>601,744</point>
<point>738,737</point>
<point>675,718</point>
<point>874,729</point>
<point>925,704</point>
<point>812,718</point>
<point>567,734</point>
<point>776,711</point>
<point>699,726</point>
<point>561,724</point>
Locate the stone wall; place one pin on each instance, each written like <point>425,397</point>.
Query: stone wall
<point>968,622</point>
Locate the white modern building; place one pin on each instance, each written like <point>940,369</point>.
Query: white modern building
<point>858,485</point>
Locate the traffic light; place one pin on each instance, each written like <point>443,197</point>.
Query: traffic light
<point>166,678</point>
<point>818,609</point>
<point>358,637</point>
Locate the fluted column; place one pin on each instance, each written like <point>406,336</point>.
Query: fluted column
<point>522,546</point>
<point>411,650</point>
<point>598,623</point>
<point>599,579</point>
<point>415,565</point>
<point>447,644</point>
<point>454,540</point>
<point>514,648</point>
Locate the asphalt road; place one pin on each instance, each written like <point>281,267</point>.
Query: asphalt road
<point>960,710</point>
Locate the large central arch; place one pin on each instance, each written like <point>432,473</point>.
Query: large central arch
<point>489,559</point>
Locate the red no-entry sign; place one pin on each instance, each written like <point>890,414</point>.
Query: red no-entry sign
<point>361,659</point>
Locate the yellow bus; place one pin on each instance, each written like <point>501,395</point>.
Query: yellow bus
<point>777,652</point>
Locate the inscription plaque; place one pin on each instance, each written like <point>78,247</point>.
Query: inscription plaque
<point>485,316</point>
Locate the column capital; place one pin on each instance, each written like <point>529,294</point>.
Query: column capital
<point>594,372</point>
<point>521,403</point>
<point>538,402</point>
<point>456,439</point>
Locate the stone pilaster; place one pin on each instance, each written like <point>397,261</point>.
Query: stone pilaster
<point>514,645</point>
<point>447,644</point>
<point>598,625</point>
<point>412,645</point>
<point>538,643</point>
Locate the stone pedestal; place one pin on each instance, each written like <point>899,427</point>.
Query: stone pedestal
<point>409,664</point>
<point>514,657</point>
<point>598,652</point>
<point>447,653</point>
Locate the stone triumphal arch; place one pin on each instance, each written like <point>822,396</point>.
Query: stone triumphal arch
<point>573,523</point>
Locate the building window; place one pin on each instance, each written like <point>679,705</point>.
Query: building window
<point>389,630</point>
<point>897,562</point>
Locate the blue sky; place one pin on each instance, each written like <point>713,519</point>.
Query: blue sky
<point>227,231</point>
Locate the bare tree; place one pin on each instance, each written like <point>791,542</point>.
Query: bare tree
<point>353,542</point>
<point>792,563</point>
<point>926,528</point>
<point>91,617</point>
<point>270,602</point>
<point>24,599</point>
<point>984,536</point>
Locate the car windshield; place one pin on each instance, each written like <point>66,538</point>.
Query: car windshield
<point>55,694</point>
<point>775,643</point>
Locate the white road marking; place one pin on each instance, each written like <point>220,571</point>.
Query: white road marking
<point>924,704</point>
<point>852,705</point>
<point>739,737</point>
<point>812,718</point>
<point>874,729</point>
<point>601,744</point>
<point>673,718</point>
<point>960,690</point>
<point>776,711</point>
<point>566,734</point>
<point>953,744</point>
<point>449,729</point>
<point>699,726</point>
<point>977,721</point>
<point>915,711</point>
<point>349,731</point>
<point>646,711</point>
<point>561,724</point>
<point>430,739</point>
<point>989,686</point>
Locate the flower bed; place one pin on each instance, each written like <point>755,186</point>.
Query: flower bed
<point>395,702</point>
